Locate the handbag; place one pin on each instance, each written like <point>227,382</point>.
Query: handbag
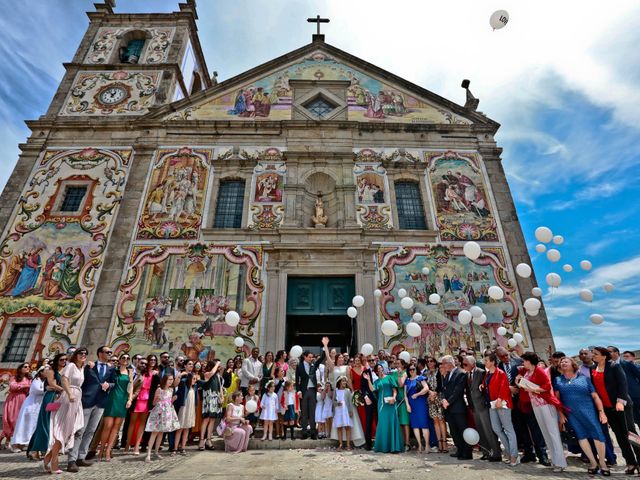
<point>53,406</point>
<point>223,429</point>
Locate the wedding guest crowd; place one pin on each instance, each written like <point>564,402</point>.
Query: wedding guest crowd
<point>518,409</point>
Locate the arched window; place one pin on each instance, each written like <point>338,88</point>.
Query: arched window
<point>230,204</point>
<point>132,46</point>
<point>409,205</point>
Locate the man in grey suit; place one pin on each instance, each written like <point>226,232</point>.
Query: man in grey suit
<point>479,405</point>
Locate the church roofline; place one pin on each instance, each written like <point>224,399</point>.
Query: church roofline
<point>319,44</point>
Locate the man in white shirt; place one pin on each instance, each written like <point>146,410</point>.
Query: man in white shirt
<point>251,371</point>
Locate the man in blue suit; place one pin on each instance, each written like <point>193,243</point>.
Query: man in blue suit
<point>632,372</point>
<point>98,380</point>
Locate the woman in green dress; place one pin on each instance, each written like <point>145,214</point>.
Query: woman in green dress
<point>388,435</point>
<point>267,370</point>
<point>400,376</point>
<point>120,398</point>
<point>53,386</point>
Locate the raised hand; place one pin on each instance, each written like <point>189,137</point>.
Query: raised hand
<point>325,341</point>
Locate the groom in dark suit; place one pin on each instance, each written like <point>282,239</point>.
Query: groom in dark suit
<point>453,386</point>
<point>306,383</point>
<point>98,380</point>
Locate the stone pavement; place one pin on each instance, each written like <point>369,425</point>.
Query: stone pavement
<point>305,464</point>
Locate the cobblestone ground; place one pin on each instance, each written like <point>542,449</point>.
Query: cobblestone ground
<point>295,464</point>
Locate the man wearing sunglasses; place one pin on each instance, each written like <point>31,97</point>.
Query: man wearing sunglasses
<point>98,379</point>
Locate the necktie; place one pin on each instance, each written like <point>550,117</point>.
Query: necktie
<point>101,365</point>
<point>507,370</point>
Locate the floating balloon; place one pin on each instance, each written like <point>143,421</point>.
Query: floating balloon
<point>544,234</point>
<point>352,312</point>
<point>389,328</point>
<point>567,268</point>
<point>523,270</point>
<point>553,255</point>
<point>585,265</point>
<point>464,316</point>
<point>413,329</point>
<point>425,270</point>
<point>532,304</point>
<point>518,337</point>
<point>404,355</point>
<point>540,248</point>
<point>608,287</point>
<point>475,311</point>
<point>481,320</point>
<point>434,298</point>
<point>496,292</point>
<point>251,406</point>
<point>406,303</point>
<point>295,351</point>
<point>501,331</point>
<point>402,293</point>
<point>553,280</point>
<point>533,313</point>
<point>586,295</point>
<point>536,291</point>
<point>367,349</point>
<point>558,239</point>
<point>596,318</point>
<point>416,317</point>
<point>232,318</point>
<point>472,250</point>
<point>498,20</point>
<point>358,301</point>
<point>471,436</point>
<point>512,342</point>
<point>238,342</point>
<point>377,293</point>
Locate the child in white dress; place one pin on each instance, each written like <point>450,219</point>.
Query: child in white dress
<point>342,412</point>
<point>319,412</point>
<point>327,408</point>
<point>269,407</point>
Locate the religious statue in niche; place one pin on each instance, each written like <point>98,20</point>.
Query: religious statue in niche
<point>319,219</point>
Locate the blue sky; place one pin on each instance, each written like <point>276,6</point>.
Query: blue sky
<point>563,79</point>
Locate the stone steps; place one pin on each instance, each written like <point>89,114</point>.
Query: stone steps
<point>298,443</point>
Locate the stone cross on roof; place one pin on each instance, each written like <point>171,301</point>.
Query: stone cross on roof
<point>317,20</point>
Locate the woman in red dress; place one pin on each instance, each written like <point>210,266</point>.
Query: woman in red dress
<point>356,382</point>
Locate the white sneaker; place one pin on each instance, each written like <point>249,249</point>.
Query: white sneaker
<point>516,463</point>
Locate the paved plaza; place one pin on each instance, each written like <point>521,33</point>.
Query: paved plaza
<point>295,464</point>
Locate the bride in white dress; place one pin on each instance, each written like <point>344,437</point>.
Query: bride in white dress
<point>336,369</point>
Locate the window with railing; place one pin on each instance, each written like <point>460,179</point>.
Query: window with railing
<point>19,343</point>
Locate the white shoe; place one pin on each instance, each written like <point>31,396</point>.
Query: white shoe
<point>516,463</point>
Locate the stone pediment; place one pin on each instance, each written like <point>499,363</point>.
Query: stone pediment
<point>369,93</point>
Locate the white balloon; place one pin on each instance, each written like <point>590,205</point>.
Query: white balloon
<point>406,303</point>
<point>553,279</point>
<point>585,265</point>
<point>389,328</point>
<point>358,301</point>
<point>402,293</point>
<point>496,292</point>
<point>540,248</point>
<point>553,255</point>
<point>413,329</point>
<point>251,406</point>
<point>498,20</point>
<point>536,291</point>
<point>377,293</point>
<point>232,318</point>
<point>533,313</point>
<point>425,270</point>
<point>512,342</point>
<point>523,270</point>
<point>404,355</point>
<point>416,317</point>
<point>501,331</point>
<point>558,239</point>
<point>475,311</point>
<point>472,250</point>
<point>238,342</point>
<point>367,349</point>
<point>532,304</point>
<point>352,312</point>
<point>464,317</point>
<point>471,436</point>
<point>544,234</point>
<point>596,318</point>
<point>586,295</point>
<point>518,337</point>
<point>608,287</point>
<point>434,298</point>
<point>481,320</point>
<point>567,268</point>
<point>295,351</point>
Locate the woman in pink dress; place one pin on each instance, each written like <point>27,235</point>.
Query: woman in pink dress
<point>141,392</point>
<point>68,419</point>
<point>18,391</point>
<point>238,430</point>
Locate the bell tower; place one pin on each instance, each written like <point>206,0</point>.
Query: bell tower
<point>127,64</point>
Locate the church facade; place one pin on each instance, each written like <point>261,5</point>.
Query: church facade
<point>151,200</point>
